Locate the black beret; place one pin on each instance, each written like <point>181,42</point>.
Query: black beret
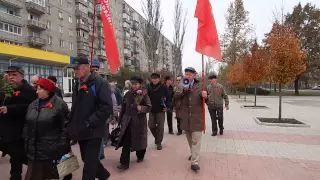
<point>15,69</point>
<point>167,78</point>
<point>136,79</point>
<point>213,76</point>
<point>155,75</point>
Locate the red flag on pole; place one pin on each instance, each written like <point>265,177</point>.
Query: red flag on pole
<point>109,37</point>
<point>207,39</point>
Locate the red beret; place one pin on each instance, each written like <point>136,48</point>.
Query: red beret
<point>47,84</point>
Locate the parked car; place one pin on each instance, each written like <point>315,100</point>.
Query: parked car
<point>316,87</point>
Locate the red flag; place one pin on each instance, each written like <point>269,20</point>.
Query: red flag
<point>109,37</point>
<point>207,40</point>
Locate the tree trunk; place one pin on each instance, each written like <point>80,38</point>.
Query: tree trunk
<point>270,86</point>
<point>245,94</point>
<point>255,95</point>
<point>280,104</point>
<point>296,86</point>
<point>239,93</point>
<point>275,87</point>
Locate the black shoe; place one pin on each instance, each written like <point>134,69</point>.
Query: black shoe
<point>221,132</point>
<point>3,154</point>
<point>123,167</point>
<point>105,178</point>
<point>170,132</point>
<point>189,158</point>
<point>195,167</point>
<point>101,157</point>
<point>214,134</point>
<point>139,160</point>
<point>159,147</point>
<point>179,133</point>
<point>73,143</point>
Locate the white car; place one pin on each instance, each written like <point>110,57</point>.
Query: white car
<point>316,87</point>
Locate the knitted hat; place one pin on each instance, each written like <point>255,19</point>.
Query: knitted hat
<point>47,84</point>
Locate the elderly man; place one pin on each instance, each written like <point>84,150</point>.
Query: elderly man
<point>12,119</point>
<point>34,79</point>
<point>191,95</point>
<point>91,106</point>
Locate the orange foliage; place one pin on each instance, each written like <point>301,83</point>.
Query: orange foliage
<point>287,60</point>
<point>237,75</point>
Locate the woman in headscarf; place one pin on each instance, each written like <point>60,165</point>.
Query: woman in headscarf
<point>127,87</point>
<point>45,133</point>
<point>134,129</point>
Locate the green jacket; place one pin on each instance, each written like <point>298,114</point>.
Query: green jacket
<point>216,95</point>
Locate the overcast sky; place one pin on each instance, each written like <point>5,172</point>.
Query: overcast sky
<point>261,15</point>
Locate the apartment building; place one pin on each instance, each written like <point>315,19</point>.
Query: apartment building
<point>43,36</point>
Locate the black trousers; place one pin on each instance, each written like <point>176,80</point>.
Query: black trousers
<point>15,149</point>
<point>126,149</point>
<point>90,151</point>
<point>178,125</point>
<point>216,113</point>
<point>169,121</point>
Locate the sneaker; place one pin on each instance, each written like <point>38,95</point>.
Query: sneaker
<point>195,167</point>
<point>139,160</point>
<point>159,147</point>
<point>189,158</point>
<point>170,132</point>
<point>123,167</point>
<point>214,134</point>
<point>179,133</point>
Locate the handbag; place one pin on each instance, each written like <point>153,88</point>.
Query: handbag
<point>68,166</point>
<point>115,135</point>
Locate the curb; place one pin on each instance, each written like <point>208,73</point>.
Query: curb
<point>253,107</point>
<point>279,124</point>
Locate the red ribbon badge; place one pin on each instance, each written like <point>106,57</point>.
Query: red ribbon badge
<point>49,105</point>
<point>85,88</point>
<point>16,93</point>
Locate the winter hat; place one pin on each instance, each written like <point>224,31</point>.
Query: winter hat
<point>47,84</point>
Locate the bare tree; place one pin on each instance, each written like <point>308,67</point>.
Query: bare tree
<point>180,25</point>
<point>210,65</point>
<point>151,31</point>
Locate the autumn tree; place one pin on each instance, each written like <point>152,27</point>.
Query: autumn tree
<point>306,24</point>
<point>151,31</point>
<point>179,25</point>
<point>236,39</point>
<point>256,66</point>
<point>287,60</point>
<point>237,76</point>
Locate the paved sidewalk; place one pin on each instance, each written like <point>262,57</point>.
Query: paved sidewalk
<point>247,151</point>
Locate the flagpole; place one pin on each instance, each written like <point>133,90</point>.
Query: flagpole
<point>93,28</point>
<point>203,99</point>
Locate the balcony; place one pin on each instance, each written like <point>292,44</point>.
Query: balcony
<point>13,3</point>
<point>126,9</point>
<point>82,2</point>
<point>83,27</point>
<point>16,20</point>
<point>82,39</point>
<point>36,41</point>
<point>36,25</point>
<point>35,8</point>
<point>81,14</point>
<point>135,25</point>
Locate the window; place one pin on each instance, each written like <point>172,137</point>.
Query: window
<point>39,2</point>
<point>61,2</point>
<point>60,15</point>
<point>34,17</point>
<point>69,6</point>
<point>49,25</point>
<point>60,29</point>
<point>70,32</point>
<point>70,19</point>
<point>49,40</point>
<point>61,43</point>
<point>48,10</point>
<point>10,42</point>
<point>8,10</point>
<point>70,46</point>
<point>10,28</point>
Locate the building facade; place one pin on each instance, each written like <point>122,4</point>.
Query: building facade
<point>53,29</point>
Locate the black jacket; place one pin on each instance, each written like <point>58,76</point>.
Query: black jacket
<point>59,93</point>
<point>159,97</point>
<point>11,124</point>
<point>45,131</point>
<point>170,96</point>
<point>89,112</point>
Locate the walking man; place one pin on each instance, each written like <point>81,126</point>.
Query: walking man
<point>191,96</point>
<point>12,119</point>
<point>159,96</point>
<point>177,104</point>
<point>216,95</point>
<point>168,84</point>
<point>91,106</point>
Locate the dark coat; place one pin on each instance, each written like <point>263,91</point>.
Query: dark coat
<point>118,95</point>
<point>45,130</point>
<point>159,97</point>
<point>191,107</point>
<point>176,102</point>
<point>11,124</point>
<point>170,96</point>
<point>59,93</point>
<point>137,122</point>
<point>89,112</point>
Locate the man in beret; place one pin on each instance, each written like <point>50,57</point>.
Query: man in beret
<point>168,84</point>
<point>191,95</point>
<point>12,119</point>
<point>216,95</point>
<point>91,106</point>
<point>177,104</point>
<point>159,99</point>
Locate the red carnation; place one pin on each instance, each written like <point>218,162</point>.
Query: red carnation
<point>85,88</point>
<point>49,105</point>
<point>16,93</point>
